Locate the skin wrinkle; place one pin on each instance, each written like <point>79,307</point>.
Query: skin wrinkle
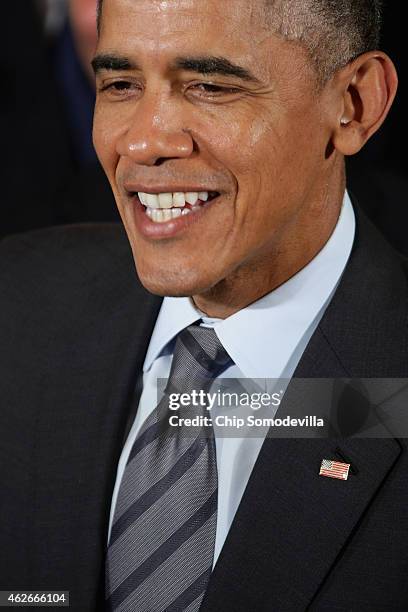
<point>263,148</point>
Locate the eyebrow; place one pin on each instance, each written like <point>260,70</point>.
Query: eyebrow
<point>210,65</point>
<point>214,65</point>
<point>106,61</point>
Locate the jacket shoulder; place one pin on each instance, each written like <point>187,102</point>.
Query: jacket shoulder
<point>79,250</point>
<point>64,278</point>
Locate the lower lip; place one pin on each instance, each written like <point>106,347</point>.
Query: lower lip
<point>166,229</point>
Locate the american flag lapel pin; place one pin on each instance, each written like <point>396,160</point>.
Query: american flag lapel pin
<point>334,469</point>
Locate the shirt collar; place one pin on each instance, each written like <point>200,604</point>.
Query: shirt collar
<point>277,322</point>
<point>175,314</point>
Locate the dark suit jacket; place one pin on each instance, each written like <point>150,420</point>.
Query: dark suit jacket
<point>75,325</point>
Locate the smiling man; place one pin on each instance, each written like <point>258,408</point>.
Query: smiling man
<point>223,129</point>
<point>224,115</point>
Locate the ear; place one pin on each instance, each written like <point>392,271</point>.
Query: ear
<point>365,89</point>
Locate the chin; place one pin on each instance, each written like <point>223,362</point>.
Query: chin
<point>183,283</point>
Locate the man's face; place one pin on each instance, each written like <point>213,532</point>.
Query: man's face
<point>197,97</point>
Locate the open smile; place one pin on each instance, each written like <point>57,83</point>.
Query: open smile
<point>163,214</point>
<point>166,206</point>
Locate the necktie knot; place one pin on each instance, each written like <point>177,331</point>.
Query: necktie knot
<point>198,355</point>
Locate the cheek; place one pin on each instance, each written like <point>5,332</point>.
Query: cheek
<point>276,164</point>
<point>246,142</point>
<point>104,140</point>
<point>283,152</point>
<point>252,151</point>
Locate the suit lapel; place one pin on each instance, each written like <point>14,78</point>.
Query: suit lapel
<point>81,424</point>
<point>122,392</point>
<point>292,523</point>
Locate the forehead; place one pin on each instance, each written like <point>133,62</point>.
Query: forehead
<point>235,27</point>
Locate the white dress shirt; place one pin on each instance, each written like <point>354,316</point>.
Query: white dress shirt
<point>265,340</point>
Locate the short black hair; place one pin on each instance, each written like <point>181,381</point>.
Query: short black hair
<point>334,32</point>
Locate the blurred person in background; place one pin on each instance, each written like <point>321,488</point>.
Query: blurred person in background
<point>72,53</point>
<point>57,178</point>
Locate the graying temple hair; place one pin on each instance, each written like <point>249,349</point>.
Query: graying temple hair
<point>334,32</point>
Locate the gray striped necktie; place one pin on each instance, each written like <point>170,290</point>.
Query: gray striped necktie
<point>161,547</point>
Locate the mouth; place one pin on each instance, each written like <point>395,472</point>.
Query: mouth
<point>167,206</point>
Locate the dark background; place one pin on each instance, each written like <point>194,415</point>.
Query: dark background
<point>378,174</point>
<point>51,176</point>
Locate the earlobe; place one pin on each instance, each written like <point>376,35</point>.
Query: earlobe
<point>369,85</point>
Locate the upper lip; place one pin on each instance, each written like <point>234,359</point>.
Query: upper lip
<point>138,187</point>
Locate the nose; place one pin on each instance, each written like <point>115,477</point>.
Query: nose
<point>154,132</point>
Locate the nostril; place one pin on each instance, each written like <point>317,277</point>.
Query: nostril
<point>161,161</point>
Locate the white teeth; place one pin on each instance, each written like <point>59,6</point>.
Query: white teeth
<point>191,197</point>
<point>157,215</point>
<point>178,199</point>
<point>162,207</point>
<point>152,200</point>
<point>161,215</point>
<point>166,200</point>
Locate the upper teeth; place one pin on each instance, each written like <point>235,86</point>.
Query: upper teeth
<point>172,200</point>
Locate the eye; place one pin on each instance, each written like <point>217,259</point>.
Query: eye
<point>212,90</point>
<point>120,88</point>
